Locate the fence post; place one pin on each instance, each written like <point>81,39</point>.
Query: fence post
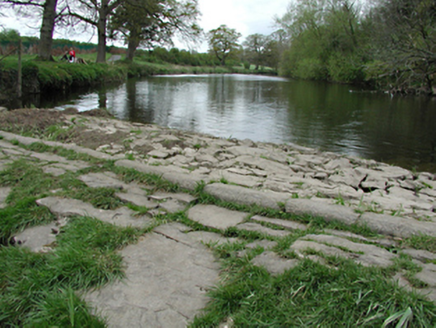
<point>19,80</point>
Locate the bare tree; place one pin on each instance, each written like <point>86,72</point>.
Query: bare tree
<point>47,10</point>
<point>95,13</point>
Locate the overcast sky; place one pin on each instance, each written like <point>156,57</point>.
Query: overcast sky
<point>246,16</point>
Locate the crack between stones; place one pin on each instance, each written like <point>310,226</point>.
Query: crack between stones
<point>171,238</point>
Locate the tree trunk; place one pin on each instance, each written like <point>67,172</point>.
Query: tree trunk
<point>132,46</point>
<point>47,28</point>
<point>101,30</point>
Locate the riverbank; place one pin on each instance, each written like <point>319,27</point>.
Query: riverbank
<point>274,219</point>
<point>43,77</point>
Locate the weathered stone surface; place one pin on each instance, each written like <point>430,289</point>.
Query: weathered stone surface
<point>170,173</point>
<point>181,197</point>
<point>159,153</point>
<point>264,164</point>
<point>420,254</point>
<point>246,196</point>
<point>62,207</point>
<point>37,239</point>
<point>316,208</point>
<point>166,285</point>
<point>429,293</point>
<point>4,193</point>
<point>245,181</point>
<point>265,244</point>
<point>137,199</point>
<point>338,164</point>
<point>301,247</point>
<point>397,226</point>
<point>172,205</point>
<point>102,180</point>
<point>281,223</point>
<point>348,177</point>
<point>273,263</point>
<point>215,217</point>
<point>428,274</point>
<point>384,242</point>
<point>55,171</point>
<point>264,230</point>
<point>372,255</point>
<point>209,238</point>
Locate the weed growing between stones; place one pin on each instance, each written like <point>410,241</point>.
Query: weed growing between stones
<point>311,295</point>
<point>39,286</point>
<point>425,242</point>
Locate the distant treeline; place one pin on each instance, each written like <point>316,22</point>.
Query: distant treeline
<point>9,40</point>
<point>390,44</point>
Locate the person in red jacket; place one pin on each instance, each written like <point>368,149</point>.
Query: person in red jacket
<point>72,54</point>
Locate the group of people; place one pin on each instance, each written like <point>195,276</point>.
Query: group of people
<point>70,56</point>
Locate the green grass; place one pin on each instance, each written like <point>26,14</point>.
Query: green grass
<point>311,295</point>
<point>39,286</point>
<point>45,290</point>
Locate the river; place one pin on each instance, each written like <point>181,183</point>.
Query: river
<point>398,130</point>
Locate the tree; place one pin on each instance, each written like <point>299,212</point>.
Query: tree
<point>49,14</point>
<point>223,42</point>
<point>323,38</point>
<point>154,22</point>
<point>272,53</point>
<point>404,35</point>
<point>95,13</point>
<point>255,48</point>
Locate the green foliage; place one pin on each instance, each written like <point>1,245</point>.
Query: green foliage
<point>223,42</point>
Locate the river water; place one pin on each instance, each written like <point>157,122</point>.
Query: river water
<point>331,117</point>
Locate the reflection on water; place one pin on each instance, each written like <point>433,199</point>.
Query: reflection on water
<point>331,117</point>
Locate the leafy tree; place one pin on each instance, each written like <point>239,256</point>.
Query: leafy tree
<point>49,14</point>
<point>154,22</point>
<point>324,40</point>
<point>9,35</point>
<point>272,53</point>
<point>404,38</point>
<point>255,48</point>
<point>223,42</point>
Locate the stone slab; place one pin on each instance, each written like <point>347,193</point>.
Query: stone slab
<point>215,217</point>
<point>66,207</point>
<point>137,199</point>
<point>37,239</point>
<point>365,254</point>
<point>397,226</point>
<point>281,223</point>
<point>246,196</point>
<point>249,226</point>
<point>4,193</point>
<point>102,180</point>
<point>319,209</point>
<point>273,263</point>
<point>428,274</point>
<point>165,286</point>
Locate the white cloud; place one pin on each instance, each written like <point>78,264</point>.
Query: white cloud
<point>246,16</point>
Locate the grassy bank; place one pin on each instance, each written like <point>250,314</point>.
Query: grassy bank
<point>46,76</point>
